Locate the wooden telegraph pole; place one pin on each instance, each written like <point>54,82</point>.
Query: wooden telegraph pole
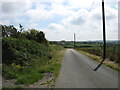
<point>104,34</point>
<point>104,37</point>
<point>74,40</point>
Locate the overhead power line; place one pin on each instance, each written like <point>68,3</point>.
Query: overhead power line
<point>91,6</point>
<point>93,3</point>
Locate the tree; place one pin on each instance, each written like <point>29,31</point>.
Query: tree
<point>36,35</point>
<point>21,27</point>
<point>8,31</point>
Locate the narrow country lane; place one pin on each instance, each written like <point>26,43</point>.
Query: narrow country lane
<point>77,72</point>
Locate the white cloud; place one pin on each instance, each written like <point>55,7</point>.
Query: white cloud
<point>54,26</point>
<point>92,28</point>
<point>80,3</point>
<point>111,13</point>
<point>41,13</point>
<point>59,9</point>
<point>112,1</point>
<point>38,13</point>
<point>77,19</point>
<point>5,22</point>
<point>55,1</point>
<point>33,25</point>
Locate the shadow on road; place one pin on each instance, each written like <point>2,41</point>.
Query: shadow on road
<point>99,65</point>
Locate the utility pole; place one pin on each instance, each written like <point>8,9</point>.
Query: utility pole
<point>74,40</point>
<point>104,37</point>
<point>104,34</point>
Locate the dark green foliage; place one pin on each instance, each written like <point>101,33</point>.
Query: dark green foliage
<point>24,79</point>
<point>21,50</point>
<point>8,30</point>
<point>38,36</point>
<point>36,66</point>
<point>19,47</point>
<point>21,27</point>
<point>27,55</point>
<point>31,34</point>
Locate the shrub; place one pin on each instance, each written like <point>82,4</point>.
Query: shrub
<point>19,51</point>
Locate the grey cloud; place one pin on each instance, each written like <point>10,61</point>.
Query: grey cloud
<point>110,17</point>
<point>78,21</point>
<point>12,7</point>
<point>51,27</point>
<point>110,14</point>
<point>97,16</point>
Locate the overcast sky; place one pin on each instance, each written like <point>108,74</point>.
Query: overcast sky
<point>60,19</point>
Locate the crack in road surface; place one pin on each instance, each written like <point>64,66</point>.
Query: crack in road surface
<point>77,72</point>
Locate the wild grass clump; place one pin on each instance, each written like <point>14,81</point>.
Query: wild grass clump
<point>27,61</point>
<point>11,88</point>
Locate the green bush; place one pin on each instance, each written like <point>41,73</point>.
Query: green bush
<point>19,51</point>
<point>27,55</point>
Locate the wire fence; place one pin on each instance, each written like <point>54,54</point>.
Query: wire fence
<point>112,52</point>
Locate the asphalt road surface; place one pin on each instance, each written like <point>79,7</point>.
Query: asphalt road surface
<point>77,72</point>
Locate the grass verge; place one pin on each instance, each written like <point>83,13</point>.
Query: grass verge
<point>107,62</point>
<point>10,88</point>
<point>37,68</point>
<point>53,65</point>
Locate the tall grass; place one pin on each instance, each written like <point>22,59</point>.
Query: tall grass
<point>29,60</point>
<point>111,52</point>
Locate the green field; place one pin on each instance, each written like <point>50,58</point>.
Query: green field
<point>95,48</point>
